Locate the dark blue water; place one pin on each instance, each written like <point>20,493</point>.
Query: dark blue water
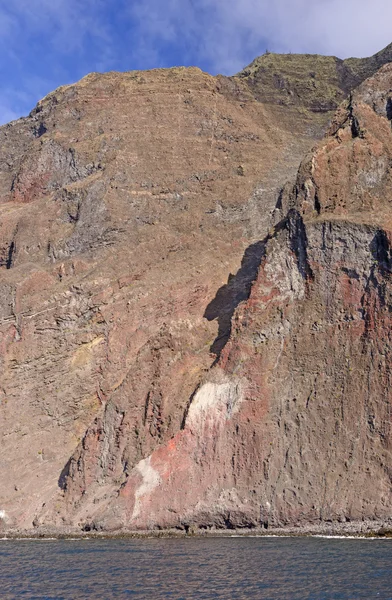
<point>264,568</point>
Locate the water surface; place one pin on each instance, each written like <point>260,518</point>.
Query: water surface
<point>229,568</point>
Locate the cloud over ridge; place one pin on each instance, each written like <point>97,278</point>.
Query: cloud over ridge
<point>229,32</point>
<point>46,43</point>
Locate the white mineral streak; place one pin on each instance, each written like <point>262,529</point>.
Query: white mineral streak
<point>216,401</point>
<point>151,480</point>
<point>283,274</point>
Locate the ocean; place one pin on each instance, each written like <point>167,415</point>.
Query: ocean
<point>203,568</point>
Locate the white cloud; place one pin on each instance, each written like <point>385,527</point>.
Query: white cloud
<point>229,33</point>
<point>7,114</point>
<point>67,24</point>
<point>9,99</point>
<point>78,36</point>
<point>17,102</point>
<point>47,43</point>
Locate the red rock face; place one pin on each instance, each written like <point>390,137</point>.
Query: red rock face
<point>294,423</point>
<point>141,390</point>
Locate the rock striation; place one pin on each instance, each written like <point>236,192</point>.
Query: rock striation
<point>186,339</point>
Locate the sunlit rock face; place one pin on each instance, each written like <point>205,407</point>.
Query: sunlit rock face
<point>188,340</point>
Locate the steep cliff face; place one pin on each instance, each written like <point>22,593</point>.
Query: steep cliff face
<point>138,388</point>
<point>293,425</point>
<point>126,201</point>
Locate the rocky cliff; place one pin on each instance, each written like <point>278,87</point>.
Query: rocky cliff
<point>186,339</point>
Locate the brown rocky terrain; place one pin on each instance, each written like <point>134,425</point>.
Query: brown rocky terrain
<point>186,340</point>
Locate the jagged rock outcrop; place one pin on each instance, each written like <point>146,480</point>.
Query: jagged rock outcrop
<point>138,389</point>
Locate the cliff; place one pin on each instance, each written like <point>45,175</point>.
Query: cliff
<point>186,340</point>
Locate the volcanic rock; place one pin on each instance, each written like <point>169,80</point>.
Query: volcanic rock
<point>186,340</point>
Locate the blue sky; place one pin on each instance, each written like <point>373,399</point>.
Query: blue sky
<point>47,43</point>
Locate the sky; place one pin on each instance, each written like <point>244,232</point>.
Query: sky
<point>48,43</point>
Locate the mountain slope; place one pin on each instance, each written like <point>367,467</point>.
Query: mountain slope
<point>127,202</point>
<point>315,83</point>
